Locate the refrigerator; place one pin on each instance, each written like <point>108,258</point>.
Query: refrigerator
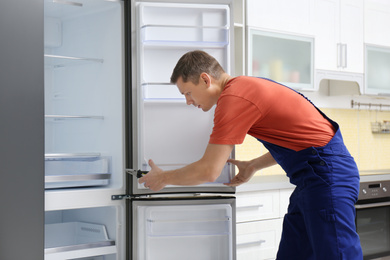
<point>109,107</point>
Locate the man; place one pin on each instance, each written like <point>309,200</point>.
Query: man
<point>299,137</point>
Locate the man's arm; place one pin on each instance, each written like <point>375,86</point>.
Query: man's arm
<point>207,169</point>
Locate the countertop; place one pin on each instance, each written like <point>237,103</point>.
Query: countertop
<point>278,182</point>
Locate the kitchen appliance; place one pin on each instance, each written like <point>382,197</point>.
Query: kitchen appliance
<point>373,219</point>
<point>109,107</point>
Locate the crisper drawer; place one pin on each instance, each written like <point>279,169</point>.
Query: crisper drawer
<point>63,170</point>
<point>252,206</point>
<point>258,240</point>
<point>88,233</point>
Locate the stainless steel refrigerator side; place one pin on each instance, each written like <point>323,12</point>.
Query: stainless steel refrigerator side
<point>21,130</point>
<point>136,244</point>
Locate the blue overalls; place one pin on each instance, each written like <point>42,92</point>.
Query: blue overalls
<point>320,222</point>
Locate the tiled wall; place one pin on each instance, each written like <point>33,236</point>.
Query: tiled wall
<point>371,151</point>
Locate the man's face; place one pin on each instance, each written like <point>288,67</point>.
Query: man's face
<point>196,95</point>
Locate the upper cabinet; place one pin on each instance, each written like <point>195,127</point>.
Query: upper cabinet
<point>339,35</point>
<point>287,59</point>
<point>376,22</point>
<point>280,43</point>
<point>377,51</point>
<point>377,70</point>
<point>281,15</point>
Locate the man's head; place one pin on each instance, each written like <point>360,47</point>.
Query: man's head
<point>198,77</point>
<point>192,64</point>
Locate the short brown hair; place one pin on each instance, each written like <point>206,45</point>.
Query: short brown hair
<point>192,64</point>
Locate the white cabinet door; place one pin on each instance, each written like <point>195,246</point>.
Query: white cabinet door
<point>351,34</point>
<point>327,34</point>
<point>376,22</point>
<point>258,240</point>
<point>258,205</point>
<point>339,35</point>
<point>281,15</point>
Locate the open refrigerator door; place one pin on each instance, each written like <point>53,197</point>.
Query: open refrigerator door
<point>169,131</point>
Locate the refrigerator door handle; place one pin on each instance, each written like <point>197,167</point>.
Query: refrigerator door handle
<point>136,173</point>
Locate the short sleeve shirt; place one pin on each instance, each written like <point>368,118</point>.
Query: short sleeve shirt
<point>270,112</point>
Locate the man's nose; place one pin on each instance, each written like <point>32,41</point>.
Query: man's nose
<point>189,100</point>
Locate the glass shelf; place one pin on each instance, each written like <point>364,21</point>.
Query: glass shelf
<point>72,117</point>
<point>57,61</point>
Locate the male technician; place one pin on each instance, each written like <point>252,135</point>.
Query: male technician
<point>320,223</point>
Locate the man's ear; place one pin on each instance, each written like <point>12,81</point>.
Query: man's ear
<point>205,78</point>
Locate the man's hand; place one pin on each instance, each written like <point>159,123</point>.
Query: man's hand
<point>245,172</point>
<point>154,179</point>
<point>246,169</point>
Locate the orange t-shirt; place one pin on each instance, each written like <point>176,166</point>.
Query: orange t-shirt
<point>270,112</point>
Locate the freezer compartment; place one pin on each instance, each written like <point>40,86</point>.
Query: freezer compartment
<point>81,233</point>
<point>72,170</point>
<point>186,228</point>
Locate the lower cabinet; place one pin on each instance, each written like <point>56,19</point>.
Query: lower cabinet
<point>259,223</point>
<point>258,239</point>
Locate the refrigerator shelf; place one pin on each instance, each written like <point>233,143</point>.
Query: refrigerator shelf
<point>58,61</point>
<point>73,117</point>
<point>76,236</point>
<point>71,155</point>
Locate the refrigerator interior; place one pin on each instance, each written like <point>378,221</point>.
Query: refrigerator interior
<point>89,233</point>
<point>84,78</point>
<point>170,132</point>
<point>191,228</point>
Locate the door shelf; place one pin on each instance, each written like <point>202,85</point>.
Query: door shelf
<point>58,61</point>
<point>158,91</point>
<point>77,238</point>
<point>161,35</point>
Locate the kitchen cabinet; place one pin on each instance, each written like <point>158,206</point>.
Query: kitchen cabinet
<point>339,35</point>
<point>377,70</point>
<point>282,15</point>
<point>376,22</point>
<point>288,59</point>
<point>259,222</point>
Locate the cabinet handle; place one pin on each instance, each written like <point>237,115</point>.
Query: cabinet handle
<point>339,55</point>
<point>345,55</point>
<point>250,207</point>
<point>253,243</point>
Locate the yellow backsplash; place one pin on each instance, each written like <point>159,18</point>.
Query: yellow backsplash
<point>370,150</point>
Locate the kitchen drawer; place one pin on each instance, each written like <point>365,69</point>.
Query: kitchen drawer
<point>252,206</point>
<point>259,239</point>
